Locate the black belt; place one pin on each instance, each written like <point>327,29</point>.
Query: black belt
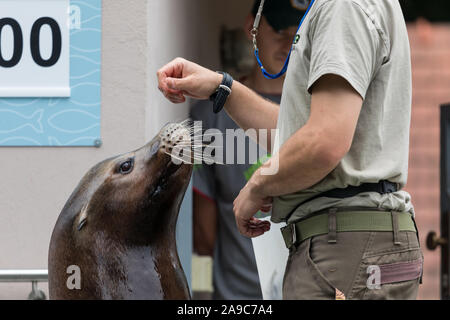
<point>381,187</point>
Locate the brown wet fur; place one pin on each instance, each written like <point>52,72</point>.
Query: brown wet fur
<point>126,249</point>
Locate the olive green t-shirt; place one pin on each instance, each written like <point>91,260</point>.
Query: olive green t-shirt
<point>366,43</point>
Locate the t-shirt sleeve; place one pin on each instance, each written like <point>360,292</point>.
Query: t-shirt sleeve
<point>346,42</point>
<point>203,176</point>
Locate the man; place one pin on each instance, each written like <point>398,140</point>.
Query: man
<point>342,152</point>
<point>235,275</point>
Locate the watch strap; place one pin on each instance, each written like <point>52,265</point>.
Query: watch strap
<point>220,96</point>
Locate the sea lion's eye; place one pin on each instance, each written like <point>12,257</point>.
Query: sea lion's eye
<point>126,167</point>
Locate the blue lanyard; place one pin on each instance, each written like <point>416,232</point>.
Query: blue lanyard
<point>255,32</point>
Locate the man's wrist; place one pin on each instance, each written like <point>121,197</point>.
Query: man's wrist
<point>218,81</point>
<point>223,91</point>
<point>257,183</point>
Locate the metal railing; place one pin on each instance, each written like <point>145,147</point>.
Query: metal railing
<point>33,276</point>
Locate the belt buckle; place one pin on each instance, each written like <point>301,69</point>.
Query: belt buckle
<point>388,187</point>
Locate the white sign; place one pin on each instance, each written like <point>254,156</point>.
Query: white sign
<point>34,48</point>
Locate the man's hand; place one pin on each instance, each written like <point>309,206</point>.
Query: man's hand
<point>181,78</point>
<point>246,205</point>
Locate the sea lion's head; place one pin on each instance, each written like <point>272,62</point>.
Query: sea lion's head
<point>125,202</point>
<point>133,197</point>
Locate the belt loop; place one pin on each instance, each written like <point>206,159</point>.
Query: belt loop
<point>332,229</point>
<point>294,235</point>
<point>289,235</point>
<point>395,227</point>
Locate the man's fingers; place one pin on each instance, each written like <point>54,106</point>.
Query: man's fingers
<point>260,225</point>
<point>178,85</point>
<point>172,70</point>
<point>263,227</point>
<point>176,98</point>
<point>253,232</point>
<point>253,227</point>
<point>164,86</point>
<point>256,223</point>
<point>254,220</point>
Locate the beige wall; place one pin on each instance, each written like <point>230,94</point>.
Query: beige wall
<point>188,29</point>
<point>36,182</point>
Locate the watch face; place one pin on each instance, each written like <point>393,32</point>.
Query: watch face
<point>300,4</point>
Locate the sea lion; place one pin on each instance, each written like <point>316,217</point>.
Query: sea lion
<point>118,227</point>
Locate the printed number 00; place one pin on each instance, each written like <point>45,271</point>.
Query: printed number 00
<point>34,42</point>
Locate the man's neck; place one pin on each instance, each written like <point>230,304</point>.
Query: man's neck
<point>256,81</point>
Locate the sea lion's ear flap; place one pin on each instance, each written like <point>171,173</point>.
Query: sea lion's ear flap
<point>82,217</point>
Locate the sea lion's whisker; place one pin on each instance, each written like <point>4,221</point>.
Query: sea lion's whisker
<point>197,146</point>
<point>211,134</point>
<point>195,157</point>
<point>177,158</point>
<point>207,158</point>
<point>189,143</point>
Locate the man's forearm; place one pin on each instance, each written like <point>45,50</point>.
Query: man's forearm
<point>251,111</point>
<point>311,153</point>
<point>303,161</point>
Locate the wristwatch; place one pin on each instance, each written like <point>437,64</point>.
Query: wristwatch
<point>223,91</point>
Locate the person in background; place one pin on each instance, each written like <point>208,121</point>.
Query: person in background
<point>235,274</point>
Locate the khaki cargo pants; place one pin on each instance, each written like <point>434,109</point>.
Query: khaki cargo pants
<point>360,265</point>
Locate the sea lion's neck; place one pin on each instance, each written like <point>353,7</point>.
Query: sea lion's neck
<point>142,272</point>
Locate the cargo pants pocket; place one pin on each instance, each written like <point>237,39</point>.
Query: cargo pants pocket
<point>303,280</point>
<point>389,274</point>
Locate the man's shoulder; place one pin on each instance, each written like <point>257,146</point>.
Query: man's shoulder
<point>365,5</point>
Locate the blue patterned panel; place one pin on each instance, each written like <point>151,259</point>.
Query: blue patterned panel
<point>73,121</point>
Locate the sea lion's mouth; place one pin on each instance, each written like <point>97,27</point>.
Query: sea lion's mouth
<point>176,145</point>
<point>171,168</point>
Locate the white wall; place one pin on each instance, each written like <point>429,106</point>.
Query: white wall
<point>188,29</point>
<point>139,36</point>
